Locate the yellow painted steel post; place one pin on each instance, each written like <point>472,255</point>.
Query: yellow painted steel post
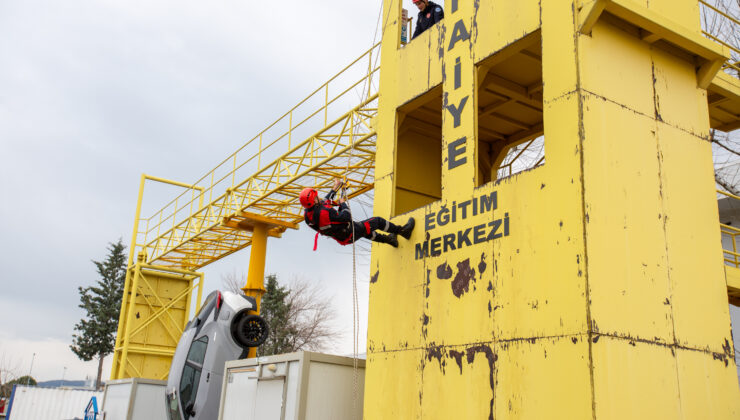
<point>255,286</point>
<point>121,372</point>
<point>127,283</point>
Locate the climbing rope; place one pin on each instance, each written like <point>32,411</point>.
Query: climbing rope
<point>355,299</point>
<point>366,89</point>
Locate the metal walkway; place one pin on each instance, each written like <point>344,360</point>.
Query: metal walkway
<point>260,182</point>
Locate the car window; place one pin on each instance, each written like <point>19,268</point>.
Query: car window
<point>191,373</point>
<point>197,351</point>
<point>206,304</point>
<point>189,387</point>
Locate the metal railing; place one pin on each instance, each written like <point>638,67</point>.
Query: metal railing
<point>345,148</point>
<point>730,236</point>
<point>722,27</point>
<point>354,84</point>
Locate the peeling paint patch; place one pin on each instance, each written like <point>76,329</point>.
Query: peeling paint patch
<point>465,275</point>
<point>492,358</point>
<point>435,352</point>
<point>444,271</point>
<point>374,278</point>
<point>722,358</point>
<point>458,356</point>
<point>482,265</point>
<point>429,273</point>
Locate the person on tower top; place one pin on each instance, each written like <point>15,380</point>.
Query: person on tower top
<point>324,219</point>
<point>429,14</point>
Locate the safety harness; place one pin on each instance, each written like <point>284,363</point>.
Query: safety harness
<point>319,219</point>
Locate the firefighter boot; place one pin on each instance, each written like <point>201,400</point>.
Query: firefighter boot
<point>386,239</point>
<point>406,229</point>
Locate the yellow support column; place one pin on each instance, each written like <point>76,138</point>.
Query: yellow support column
<point>255,286</point>
<point>589,286</point>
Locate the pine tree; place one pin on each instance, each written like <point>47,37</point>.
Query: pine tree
<point>96,333</point>
<point>275,310</point>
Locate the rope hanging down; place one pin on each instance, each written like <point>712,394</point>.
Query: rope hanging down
<point>367,87</point>
<point>355,302</point>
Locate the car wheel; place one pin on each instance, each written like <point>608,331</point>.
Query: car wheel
<point>251,331</point>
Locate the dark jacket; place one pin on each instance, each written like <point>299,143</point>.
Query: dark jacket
<point>323,218</point>
<point>432,14</point>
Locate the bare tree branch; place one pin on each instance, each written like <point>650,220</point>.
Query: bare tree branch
<point>233,282</point>
<point>725,146</point>
<point>311,315</point>
<point>727,187</point>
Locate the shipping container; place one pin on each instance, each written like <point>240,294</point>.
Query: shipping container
<point>295,386</point>
<point>134,399</point>
<point>32,403</point>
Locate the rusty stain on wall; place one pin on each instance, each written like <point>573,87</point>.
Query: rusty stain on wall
<point>465,274</point>
<point>444,271</point>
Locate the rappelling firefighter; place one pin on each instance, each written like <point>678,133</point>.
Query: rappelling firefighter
<point>322,217</point>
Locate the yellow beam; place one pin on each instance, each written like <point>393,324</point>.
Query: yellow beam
<point>253,218</point>
<point>175,183</point>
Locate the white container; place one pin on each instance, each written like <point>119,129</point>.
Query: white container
<point>295,386</point>
<point>31,403</point>
<point>134,399</point>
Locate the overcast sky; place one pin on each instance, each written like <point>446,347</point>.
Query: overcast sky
<point>95,92</point>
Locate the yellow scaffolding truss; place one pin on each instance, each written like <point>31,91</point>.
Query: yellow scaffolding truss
<point>186,234</point>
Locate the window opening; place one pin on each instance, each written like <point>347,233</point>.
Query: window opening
<point>207,305</point>
<point>510,111</point>
<point>418,172</point>
<point>197,351</point>
<point>191,373</point>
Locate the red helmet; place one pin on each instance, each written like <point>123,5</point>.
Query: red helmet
<point>308,197</point>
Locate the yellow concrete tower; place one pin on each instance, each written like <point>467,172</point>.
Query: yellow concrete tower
<point>589,285</point>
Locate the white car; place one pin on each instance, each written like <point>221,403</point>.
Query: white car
<point>222,330</point>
